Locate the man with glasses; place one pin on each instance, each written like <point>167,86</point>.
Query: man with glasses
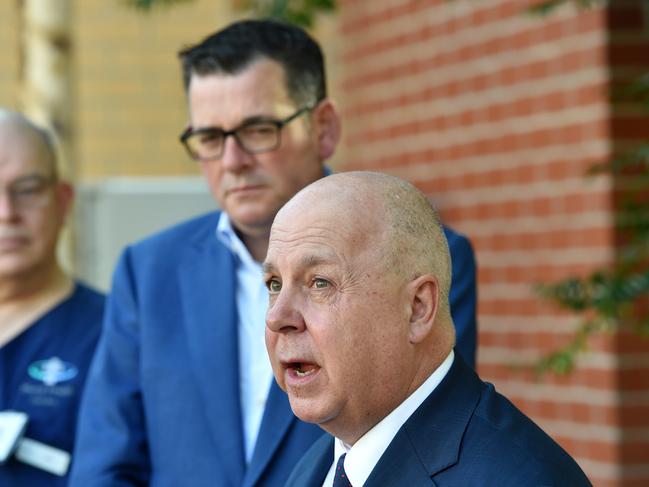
<point>49,324</point>
<point>181,390</point>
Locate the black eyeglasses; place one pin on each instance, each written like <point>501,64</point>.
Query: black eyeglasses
<point>206,144</point>
<point>30,191</point>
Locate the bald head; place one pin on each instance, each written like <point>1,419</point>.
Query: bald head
<point>389,213</point>
<point>358,273</point>
<point>19,134</point>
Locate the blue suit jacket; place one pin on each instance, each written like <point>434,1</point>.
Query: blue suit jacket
<point>162,404</point>
<point>464,434</point>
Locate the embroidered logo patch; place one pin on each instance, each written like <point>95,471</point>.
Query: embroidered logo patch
<point>52,371</point>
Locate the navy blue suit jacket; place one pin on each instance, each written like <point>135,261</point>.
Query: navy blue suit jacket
<point>464,434</point>
<point>162,404</point>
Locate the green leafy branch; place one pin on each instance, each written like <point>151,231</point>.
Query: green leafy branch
<point>300,12</point>
<point>617,298</point>
<point>547,6</point>
<point>147,5</point>
<point>609,297</point>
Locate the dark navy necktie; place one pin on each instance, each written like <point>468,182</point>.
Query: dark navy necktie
<point>340,477</point>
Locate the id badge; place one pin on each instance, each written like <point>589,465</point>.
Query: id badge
<point>12,427</point>
<point>45,457</point>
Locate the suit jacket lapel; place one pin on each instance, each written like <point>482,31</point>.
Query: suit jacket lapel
<point>274,426</point>
<point>207,278</point>
<point>400,467</point>
<point>431,439</point>
<point>314,466</point>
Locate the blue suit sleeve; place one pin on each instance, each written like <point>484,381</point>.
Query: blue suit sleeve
<point>463,295</point>
<point>111,448</point>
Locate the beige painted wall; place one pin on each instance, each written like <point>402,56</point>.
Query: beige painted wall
<point>128,103</point>
<point>130,106</point>
<point>8,55</point>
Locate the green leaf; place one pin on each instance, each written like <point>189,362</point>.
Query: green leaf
<point>300,12</point>
<point>545,7</point>
<point>562,362</point>
<point>635,158</point>
<point>147,5</point>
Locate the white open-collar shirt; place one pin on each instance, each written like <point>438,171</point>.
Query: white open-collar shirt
<point>255,371</point>
<point>363,456</point>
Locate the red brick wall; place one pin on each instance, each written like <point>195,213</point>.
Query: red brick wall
<point>497,115</point>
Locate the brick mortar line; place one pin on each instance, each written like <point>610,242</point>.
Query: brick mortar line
<point>571,393</point>
<point>480,99</point>
<point>535,225</point>
<point>475,165</point>
<point>443,139</point>
<point>427,143</point>
<point>407,23</point>
<point>519,192</point>
<point>483,129</point>
<point>521,259</point>
<point>497,63</point>
<point>488,323</point>
<point>507,290</point>
<point>590,432</point>
<point>612,470</point>
<point>589,360</point>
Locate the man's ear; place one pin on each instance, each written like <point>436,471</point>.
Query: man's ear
<point>424,303</point>
<point>65,196</point>
<point>327,123</point>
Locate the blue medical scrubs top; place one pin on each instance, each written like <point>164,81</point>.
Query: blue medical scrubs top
<point>42,373</point>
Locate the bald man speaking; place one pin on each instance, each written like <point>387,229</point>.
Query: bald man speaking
<point>360,336</point>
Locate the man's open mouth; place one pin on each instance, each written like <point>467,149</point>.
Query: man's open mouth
<point>302,369</point>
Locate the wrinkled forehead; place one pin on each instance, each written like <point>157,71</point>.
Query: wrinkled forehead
<point>311,226</point>
<point>316,222</point>
<point>334,199</point>
<point>314,206</point>
<point>294,250</point>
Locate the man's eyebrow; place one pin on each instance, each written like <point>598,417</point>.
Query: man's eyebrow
<point>30,179</point>
<point>246,121</point>
<point>313,260</point>
<point>256,119</point>
<point>303,262</point>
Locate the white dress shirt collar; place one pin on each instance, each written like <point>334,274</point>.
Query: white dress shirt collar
<point>226,234</point>
<point>363,456</point>
<point>255,372</point>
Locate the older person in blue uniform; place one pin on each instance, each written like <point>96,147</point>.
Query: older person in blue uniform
<point>49,324</point>
<point>360,335</point>
<point>181,390</point>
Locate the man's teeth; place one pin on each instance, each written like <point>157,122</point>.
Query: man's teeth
<point>302,370</point>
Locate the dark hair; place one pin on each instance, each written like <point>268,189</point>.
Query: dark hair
<point>234,48</point>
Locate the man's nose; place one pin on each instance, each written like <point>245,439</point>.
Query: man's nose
<point>8,210</point>
<point>284,313</point>
<point>234,158</point>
